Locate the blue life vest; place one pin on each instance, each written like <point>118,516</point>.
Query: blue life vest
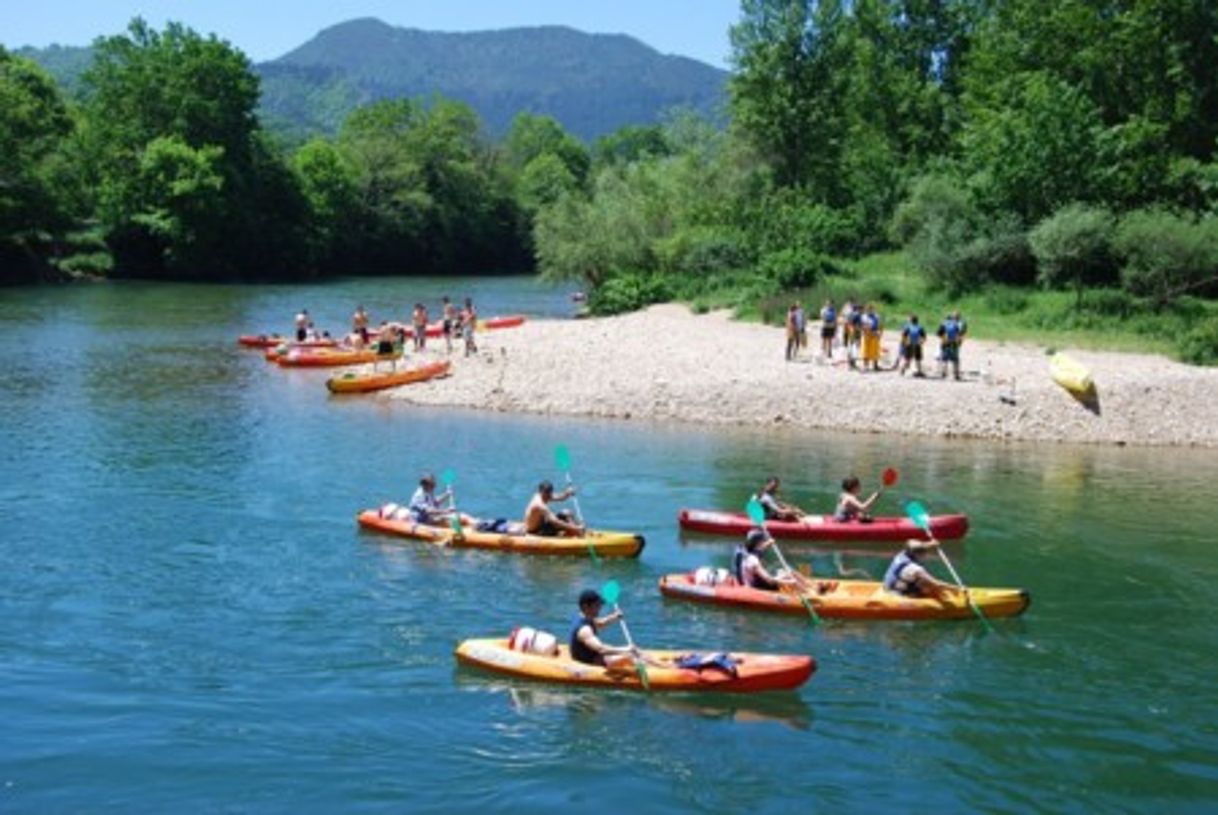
<point>829,316</point>
<point>914,332</point>
<point>871,322</point>
<point>951,331</point>
<point>579,651</point>
<point>893,580</point>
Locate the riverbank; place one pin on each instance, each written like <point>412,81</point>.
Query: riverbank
<point>667,364</point>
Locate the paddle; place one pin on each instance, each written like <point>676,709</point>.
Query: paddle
<point>448,478</point>
<point>889,477</point>
<point>562,458</point>
<point>609,593</point>
<point>757,514</point>
<point>918,514</point>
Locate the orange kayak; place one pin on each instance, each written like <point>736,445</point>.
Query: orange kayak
<point>352,382</point>
<point>848,599</point>
<point>605,543</point>
<point>272,340</point>
<point>749,673</point>
<point>329,357</point>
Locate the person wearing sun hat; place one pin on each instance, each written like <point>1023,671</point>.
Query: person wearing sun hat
<point>907,576</point>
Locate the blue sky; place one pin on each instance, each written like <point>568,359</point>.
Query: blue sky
<point>265,29</point>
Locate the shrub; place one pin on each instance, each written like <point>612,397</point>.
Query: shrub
<point>1165,254</point>
<point>1073,247</point>
<point>1003,300</point>
<point>796,268</point>
<point>628,291</point>
<point>1200,345</point>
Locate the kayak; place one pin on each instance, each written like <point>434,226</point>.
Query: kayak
<point>604,543</point>
<point>848,599</point>
<point>1071,374</point>
<point>824,527</point>
<point>752,672</point>
<point>272,340</point>
<point>352,382</point>
<point>437,329</point>
<point>327,357</point>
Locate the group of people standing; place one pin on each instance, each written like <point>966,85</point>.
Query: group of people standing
<point>861,330</point>
<point>456,322</point>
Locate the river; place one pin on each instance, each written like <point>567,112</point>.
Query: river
<point>192,622</point>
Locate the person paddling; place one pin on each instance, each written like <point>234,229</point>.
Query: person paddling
<point>539,519</point>
<point>849,506</point>
<point>752,573</point>
<point>586,646</point>
<point>435,510</point>
<point>908,577</point>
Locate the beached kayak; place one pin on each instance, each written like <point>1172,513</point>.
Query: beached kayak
<point>606,544</point>
<point>352,382</point>
<point>272,340</point>
<point>1071,374</point>
<point>823,527</point>
<point>328,357</point>
<point>745,672</point>
<point>437,329</point>
<point>847,599</point>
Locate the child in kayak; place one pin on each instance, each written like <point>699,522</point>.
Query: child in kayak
<point>849,507</point>
<point>751,572</point>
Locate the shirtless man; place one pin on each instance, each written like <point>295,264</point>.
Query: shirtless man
<point>359,324</point>
<point>449,315</point>
<point>302,325</point>
<point>419,321</point>
<point>539,519</point>
<point>384,345</point>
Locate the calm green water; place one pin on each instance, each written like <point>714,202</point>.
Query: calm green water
<point>190,621</point>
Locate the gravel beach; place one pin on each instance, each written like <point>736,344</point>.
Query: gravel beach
<point>667,364</point>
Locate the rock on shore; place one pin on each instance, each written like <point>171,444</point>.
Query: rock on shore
<point>666,363</point>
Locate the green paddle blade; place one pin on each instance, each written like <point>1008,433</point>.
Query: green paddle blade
<point>918,514</point>
<point>755,511</point>
<point>448,477</point>
<point>562,457</point>
<point>455,523</point>
<point>610,592</point>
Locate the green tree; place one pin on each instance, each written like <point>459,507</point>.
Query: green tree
<point>532,136</point>
<point>1074,247</point>
<point>34,124</point>
<point>1166,255</point>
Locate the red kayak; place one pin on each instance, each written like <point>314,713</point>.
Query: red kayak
<point>437,329</point>
<point>823,527</point>
<point>273,340</point>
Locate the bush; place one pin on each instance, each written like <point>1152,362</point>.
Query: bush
<point>786,219</point>
<point>1200,345</point>
<point>796,268</point>
<point>1073,246</point>
<point>629,291</point>
<point>702,251</point>
<point>1003,300</point>
<point>1165,254</point>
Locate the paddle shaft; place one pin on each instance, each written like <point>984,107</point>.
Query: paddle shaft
<point>630,642</point>
<point>814,618</point>
<point>579,516</point>
<point>956,576</point>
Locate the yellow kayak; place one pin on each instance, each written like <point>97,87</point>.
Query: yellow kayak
<point>605,544</point>
<point>1071,374</point>
<point>352,382</point>
<point>847,599</point>
<point>750,672</point>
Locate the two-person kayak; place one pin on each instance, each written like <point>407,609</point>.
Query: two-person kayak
<point>730,672</point>
<point>847,599</point>
<point>823,527</point>
<point>602,543</point>
<point>365,382</point>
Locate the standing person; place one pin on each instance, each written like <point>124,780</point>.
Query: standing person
<point>359,324</point>
<point>384,345</point>
<point>302,325</point>
<point>801,324</point>
<point>907,576</point>
<point>951,334</point>
<point>585,646</point>
<point>539,519</point>
<point>469,322</point>
<point>873,329</point>
<point>850,314</point>
<point>451,321</point>
<point>792,333</point>
<point>828,328</point>
<point>912,338</point>
<point>419,321</point>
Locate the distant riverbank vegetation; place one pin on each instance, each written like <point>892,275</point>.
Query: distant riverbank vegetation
<point>1050,166</point>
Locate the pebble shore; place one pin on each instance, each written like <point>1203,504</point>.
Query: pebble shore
<point>667,364</point>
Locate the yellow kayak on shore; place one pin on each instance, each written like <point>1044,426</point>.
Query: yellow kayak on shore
<point>1071,374</point>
